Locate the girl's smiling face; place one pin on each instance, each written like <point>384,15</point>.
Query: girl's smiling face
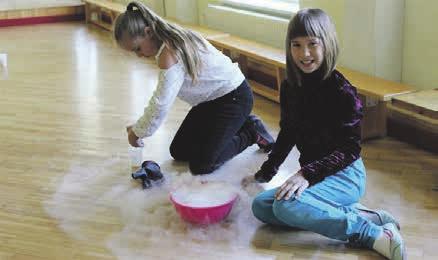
<point>307,53</point>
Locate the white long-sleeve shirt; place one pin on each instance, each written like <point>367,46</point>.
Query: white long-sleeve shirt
<point>218,76</point>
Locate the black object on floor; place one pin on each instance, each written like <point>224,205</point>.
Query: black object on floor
<point>149,173</point>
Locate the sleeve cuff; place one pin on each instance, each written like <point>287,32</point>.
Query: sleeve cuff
<point>138,131</point>
<point>309,175</point>
<point>266,172</point>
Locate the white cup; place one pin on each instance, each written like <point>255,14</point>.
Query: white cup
<point>135,157</point>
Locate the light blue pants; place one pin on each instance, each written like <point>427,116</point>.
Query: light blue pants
<point>324,208</point>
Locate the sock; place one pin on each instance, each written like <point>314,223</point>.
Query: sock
<point>250,131</point>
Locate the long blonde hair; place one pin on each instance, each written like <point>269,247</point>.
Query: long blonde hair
<point>313,23</point>
<point>184,42</point>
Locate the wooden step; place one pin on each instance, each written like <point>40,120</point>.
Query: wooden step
<point>413,118</point>
<point>423,102</point>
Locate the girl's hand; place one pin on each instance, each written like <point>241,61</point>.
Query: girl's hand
<point>295,184</point>
<point>133,139</point>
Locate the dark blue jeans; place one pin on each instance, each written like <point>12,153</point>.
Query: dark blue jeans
<point>213,132</point>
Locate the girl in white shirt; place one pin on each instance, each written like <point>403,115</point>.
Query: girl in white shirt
<point>219,125</point>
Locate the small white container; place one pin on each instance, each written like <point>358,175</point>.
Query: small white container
<point>135,157</point>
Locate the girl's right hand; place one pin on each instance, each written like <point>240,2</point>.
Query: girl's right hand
<point>133,139</point>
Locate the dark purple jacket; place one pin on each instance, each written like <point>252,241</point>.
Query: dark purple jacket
<point>322,118</point>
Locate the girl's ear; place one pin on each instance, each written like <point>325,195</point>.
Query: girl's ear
<point>147,31</point>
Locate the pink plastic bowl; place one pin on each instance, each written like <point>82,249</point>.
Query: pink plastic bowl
<point>203,215</point>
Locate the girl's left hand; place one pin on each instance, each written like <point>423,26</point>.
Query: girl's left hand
<point>295,184</point>
<point>132,138</point>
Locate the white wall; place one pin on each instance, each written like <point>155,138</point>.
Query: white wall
<point>370,34</point>
<point>389,28</point>
<point>202,6</point>
<point>359,36</point>
<point>262,28</point>
<point>156,5</point>
<point>183,10</point>
<point>420,52</point>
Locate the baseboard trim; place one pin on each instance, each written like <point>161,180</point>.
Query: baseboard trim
<point>40,20</point>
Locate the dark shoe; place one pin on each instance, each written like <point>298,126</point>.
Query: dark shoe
<point>149,173</point>
<point>262,137</point>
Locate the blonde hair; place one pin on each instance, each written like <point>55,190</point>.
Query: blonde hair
<point>313,23</point>
<point>184,42</point>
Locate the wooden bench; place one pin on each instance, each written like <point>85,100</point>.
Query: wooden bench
<point>413,118</point>
<point>252,56</point>
<point>102,12</point>
<point>257,59</point>
<point>375,93</point>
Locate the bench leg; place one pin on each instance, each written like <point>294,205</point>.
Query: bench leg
<point>243,64</point>
<point>280,77</point>
<point>87,13</point>
<point>374,120</point>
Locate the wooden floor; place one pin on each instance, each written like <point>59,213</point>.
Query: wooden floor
<point>63,109</point>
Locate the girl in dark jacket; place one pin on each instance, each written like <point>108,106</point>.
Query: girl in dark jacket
<point>321,114</point>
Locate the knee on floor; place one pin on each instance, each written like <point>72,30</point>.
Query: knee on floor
<point>258,209</point>
<point>177,153</point>
<point>289,212</point>
<point>202,168</point>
